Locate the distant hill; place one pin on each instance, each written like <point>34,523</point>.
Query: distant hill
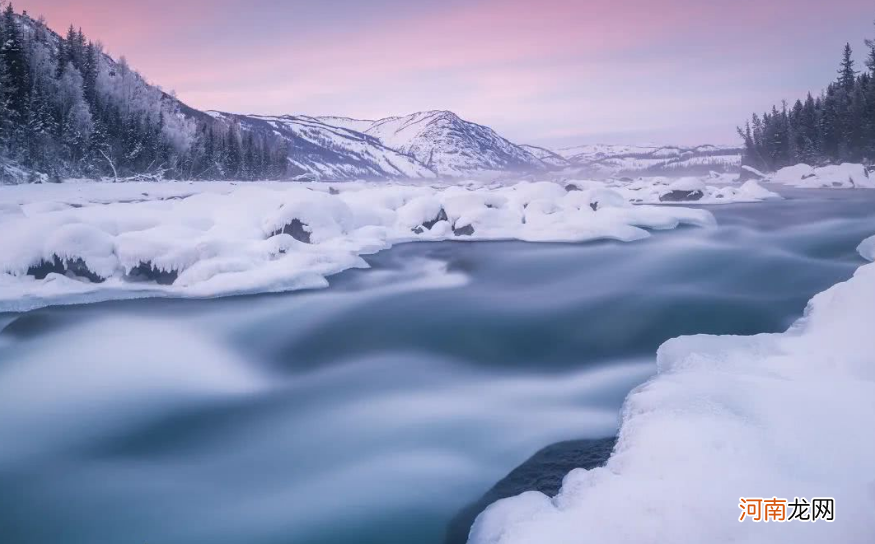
<point>608,160</point>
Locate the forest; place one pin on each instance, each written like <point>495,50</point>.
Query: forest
<point>68,110</point>
<point>836,126</point>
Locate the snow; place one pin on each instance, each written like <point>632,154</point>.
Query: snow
<point>359,125</point>
<point>216,239</point>
<point>615,160</point>
<point>327,152</point>
<point>548,157</point>
<point>451,146</point>
<point>867,249</point>
<point>719,190</point>
<point>754,171</point>
<point>687,184</point>
<point>840,176</point>
<point>774,415</point>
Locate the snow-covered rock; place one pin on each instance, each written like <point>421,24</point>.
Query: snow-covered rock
<point>720,190</point>
<point>867,249</point>
<point>838,176</point>
<point>208,239</point>
<point>775,415</point>
<point>684,190</point>
<point>749,172</point>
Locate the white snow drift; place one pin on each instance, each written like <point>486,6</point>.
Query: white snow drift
<point>835,176</point>
<point>65,245</point>
<point>721,190</point>
<point>774,415</point>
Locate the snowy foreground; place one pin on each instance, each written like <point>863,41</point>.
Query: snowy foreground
<point>774,415</point>
<point>85,242</point>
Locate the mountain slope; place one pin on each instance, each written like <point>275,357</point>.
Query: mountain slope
<point>418,146</point>
<point>614,160</point>
<point>321,151</point>
<point>451,146</point>
<point>70,110</point>
<point>548,157</point>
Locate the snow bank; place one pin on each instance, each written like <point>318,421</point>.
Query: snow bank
<point>70,243</point>
<point>691,189</point>
<point>774,415</point>
<point>867,248</point>
<point>841,176</point>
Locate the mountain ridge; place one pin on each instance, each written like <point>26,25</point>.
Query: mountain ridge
<point>123,127</point>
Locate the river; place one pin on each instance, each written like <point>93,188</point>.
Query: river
<point>373,411</point>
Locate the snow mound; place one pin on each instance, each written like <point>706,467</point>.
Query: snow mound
<point>720,190</point>
<point>838,176</point>
<point>773,415</point>
<point>197,240</point>
<point>867,249</point>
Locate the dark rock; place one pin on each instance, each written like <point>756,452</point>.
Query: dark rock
<point>441,216</point>
<point>682,196</point>
<point>543,472</point>
<point>626,180</point>
<point>74,267</point>
<point>467,230</point>
<point>594,206</point>
<point>333,191</point>
<point>148,272</point>
<point>297,230</point>
<point>809,176</point>
<point>572,187</point>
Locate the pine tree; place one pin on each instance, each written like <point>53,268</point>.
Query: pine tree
<point>6,125</point>
<point>233,159</point>
<point>870,60</point>
<point>66,111</point>
<point>807,127</point>
<point>89,74</point>
<point>847,74</point>
<point>12,53</point>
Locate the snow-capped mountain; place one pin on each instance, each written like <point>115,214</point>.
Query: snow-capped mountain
<point>422,145</point>
<point>451,146</point>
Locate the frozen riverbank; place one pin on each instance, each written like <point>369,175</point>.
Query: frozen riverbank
<point>76,243</point>
<point>772,415</point>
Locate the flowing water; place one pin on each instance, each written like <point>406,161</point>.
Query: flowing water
<point>373,411</point>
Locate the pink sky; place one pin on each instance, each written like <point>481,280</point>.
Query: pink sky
<point>552,72</point>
